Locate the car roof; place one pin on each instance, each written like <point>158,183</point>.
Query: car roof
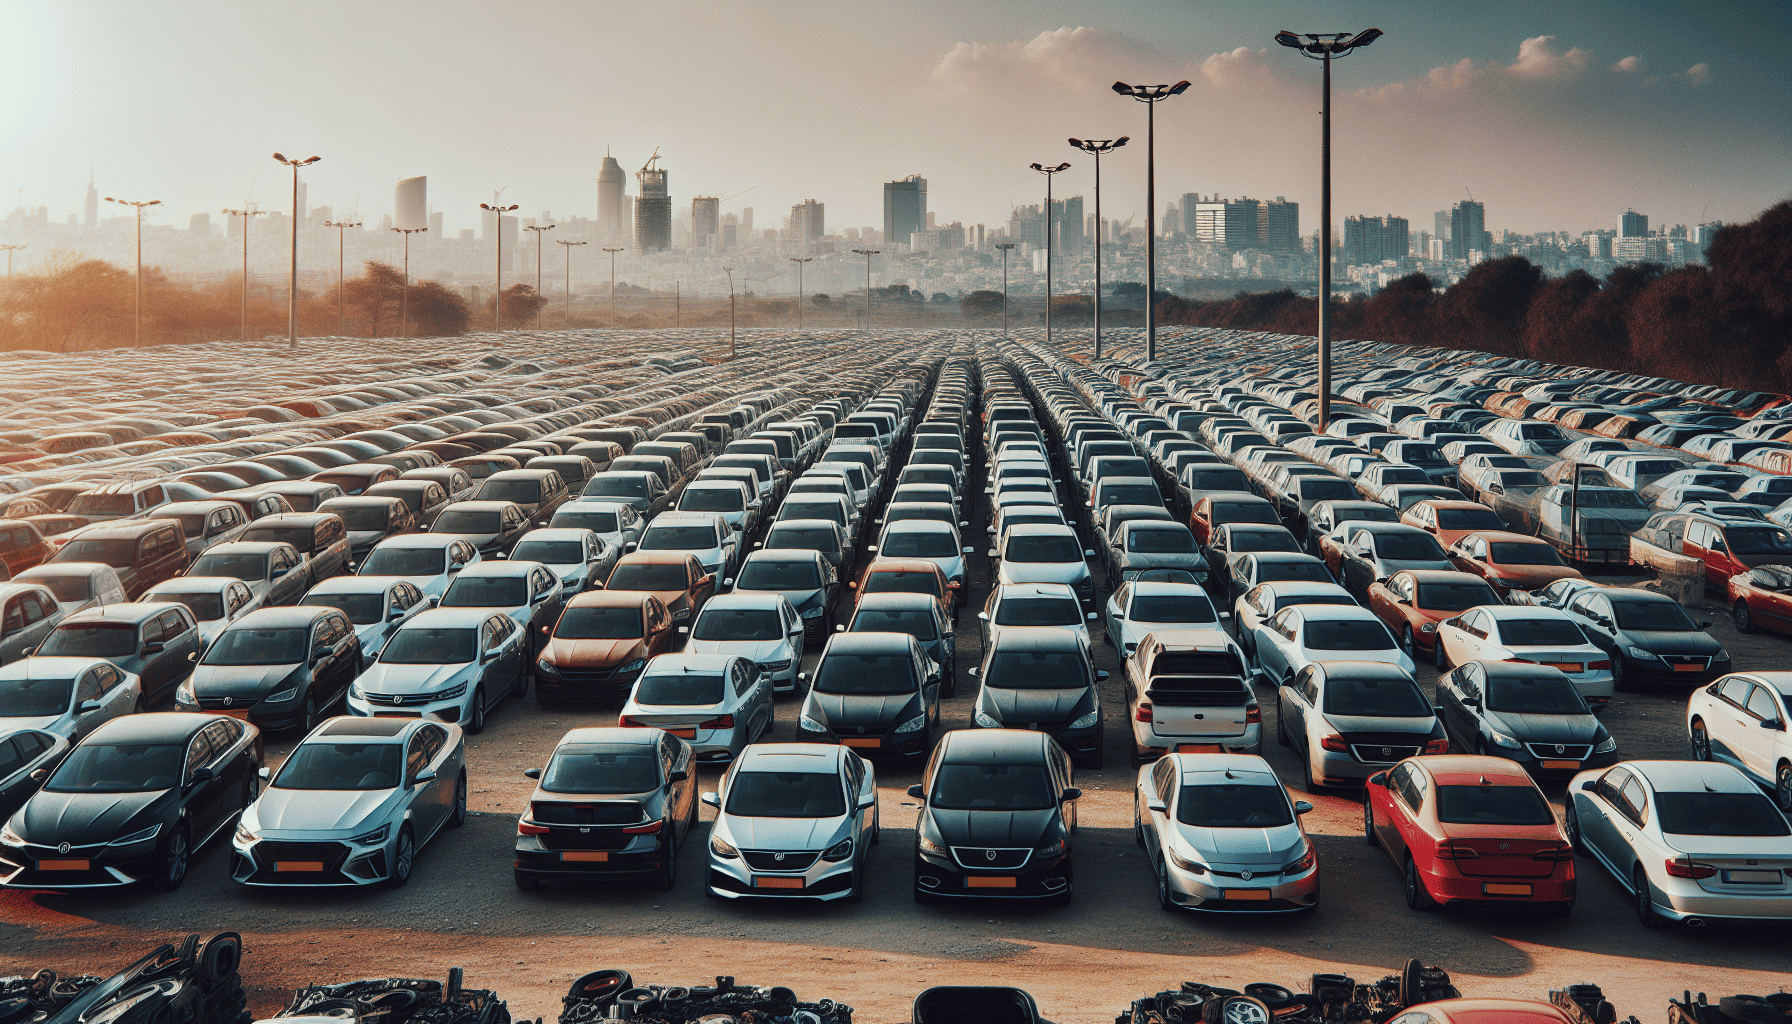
<point>634,737</point>
<point>291,615</point>
<point>755,599</point>
<point>293,518</point>
<point>611,599</point>
<point>132,611</point>
<point>1311,612</point>
<point>1692,776</point>
<point>501,568</point>
<point>1343,669</point>
<point>867,642</point>
<point>48,667</point>
<point>451,618</point>
<point>1470,769</point>
<point>151,726</point>
<point>993,746</point>
<point>365,728</point>
<point>126,528</point>
<point>820,758</point>
<point>1199,768</point>
<point>1037,638</point>
<point>687,662</point>
<point>482,505</point>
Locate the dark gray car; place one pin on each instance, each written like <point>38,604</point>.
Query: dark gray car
<point>155,641</point>
<point>278,668</point>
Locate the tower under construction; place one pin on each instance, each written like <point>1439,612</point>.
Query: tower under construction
<point>653,208</point>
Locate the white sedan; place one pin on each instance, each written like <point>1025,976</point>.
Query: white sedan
<point>377,606</point>
<point>578,556</point>
<point>718,703</point>
<point>70,697</point>
<point>1258,604</point>
<point>1307,634</point>
<point>1140,608</point>
<point>761,627</point>
<point>215,601</point>
<point>1524,633</point>
<point>429,561</point>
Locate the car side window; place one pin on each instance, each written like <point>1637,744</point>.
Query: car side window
<point>1163,776</point>
<point>416,758</point>
<point>199,751</point>
<point>11,758</point>
<point>173,624</point>
<point>34,606</point>
<point>14,619</point>
<point>222,737</point>
<point>743,679</point>
<point>1762,705</point>
<point>1611,785</point>
<point>433,737</point>
<point>89,687</point>
<point>1309,687</point>
<point>1633,801</point>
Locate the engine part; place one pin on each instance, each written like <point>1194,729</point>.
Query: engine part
<point>614,995</point>
<point>192,983</point>
<point>400,1001</point>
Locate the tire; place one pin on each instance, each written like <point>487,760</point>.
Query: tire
<point>1409,643</point>
<point>1416,897</point>
<point>1701,741</point>
<point>526,881</point>
<point>1306,767</point>
<point>1745,621</point>
<point>1439,658</point>
<point>177,856</point>
<point>458,816</point>
<point>1411,986</point>
<point>1369,835</point>
<point>1752,1009</point>
<point>1571,825</point>
<point>667,876</point>
<point>1164,900</point>
<point>404,858</point>
<point>1240,1010</point>
<point>1782,786</point>
<point>856,894</point>
<point>1618,682</point>
<point>308,720</point>
<point>1646,914</point>
<point>1138,825</point>
<point>476,712</point>
<point>1281,727</point>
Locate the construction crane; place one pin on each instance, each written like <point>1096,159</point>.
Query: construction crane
<point>648,166</point>
<point>731,195</point>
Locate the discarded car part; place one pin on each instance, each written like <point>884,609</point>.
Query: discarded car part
<point>613,995</point>
<point>399,1001</point>
<point>1689,1009</point>
<point>192,983</point>
<point>1585,1004</point>
<point>1329,999</point>
<point>974,1004</point>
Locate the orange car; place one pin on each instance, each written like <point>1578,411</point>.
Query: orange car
<point>906,576</point>
<point>1510,561</point>
<point>1217,509</point>
<point>1450,521</point>
<point>675,577</point>
<point>1413,602</point>
<point>600,645</point>
<point>22,546</point>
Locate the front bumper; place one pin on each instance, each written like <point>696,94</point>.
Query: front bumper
<point>1221,891</point>
<point>1659,671</point>
<point>737,878</point>
<point>640,857</point>
<point>305,862</point>
<point>106,867</point>
<point>873,741</point>
<point>259,712</point>
<point>408,706</point>
<point>1034,879</point>
<point>583,683</point>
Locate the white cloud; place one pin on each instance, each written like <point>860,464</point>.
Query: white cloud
<point>1539,58</point>
<point>1063,58</point>
<point>1628,65</point>
<point>1698,74</point>
<point>1243,66</point>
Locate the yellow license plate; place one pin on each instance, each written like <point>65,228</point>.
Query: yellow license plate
<point>683,734</point>
<point>1200,748</point>
<point>990,882</point>
<point>1565,666</point>
<point>1247,894</point>
<point>862,743</point>
<point>62,865</point>
<point>298,865</point>
<point>592,856</point>
<point>1557,766</point>
<point>1689,668</point>
<point>1506,889</point>
<point>777,883</point>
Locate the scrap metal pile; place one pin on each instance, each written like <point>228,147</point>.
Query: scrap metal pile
<point>613,995</point>
<point>191,983</point>
<point>400,1001</point>
<point>1329,999</point>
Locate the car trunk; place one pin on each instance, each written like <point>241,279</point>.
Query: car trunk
<point>586,824</point>
<point>683,724</point>
<point>1498,857</point>
<point>1198,707</point>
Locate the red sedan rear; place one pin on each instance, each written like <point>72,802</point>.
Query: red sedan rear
<point>1467,828</point>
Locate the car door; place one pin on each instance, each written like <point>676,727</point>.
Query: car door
<point>180,633</point>
<point>1293,701</point>
<point>235,772</point>
<point>1275,643</point>
<point>1469,640</point>
<point>1758,733</point>
<point>1594,613</point>
<point>1353,564</point>
<point>427,807</point>
<point>509,663</point>
<point>1597,810</point>
<point>200,796</point>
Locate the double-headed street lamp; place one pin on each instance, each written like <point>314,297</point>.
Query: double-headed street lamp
<point>248,215</point>
<point>138,338</point>
<point>1322,47</point>
<point>799,261</point>
<point>1004,246</point>
<point>538,229</point>
<point>867,253</point>
<point>498,233</point>
<point>9,251</point>
<point>1096,149</point>
<point>292,282</point>
<point>340,226</point>
<point>613,253</point>
<point>404,317</point>
<point>730,272</point>
<point>569,245</point>
<point>1048,172</point>
<point>1151,96</point>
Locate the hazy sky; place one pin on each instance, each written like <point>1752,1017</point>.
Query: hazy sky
<point>1556,115</point>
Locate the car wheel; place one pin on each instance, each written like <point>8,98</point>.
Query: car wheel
<point>458,816</point>
<point>668,873</point>
<point>476,712</point>
<point>1281,727</point>
<point>1138,825</point>
<point>1306,767</point>
<point>526,881</point>
<point>1408,644</point>
<point>176,855</point>
<point>1745,622</point>
<point>1782,786</point>
<point>1416,896</point>
<point>1164,900</point>
<point>1571,826</point>
<point>308,720</point>
<point>1441,659</point>
<point>856,892</point>
<point>1369,835</point>
<point>404,856</point>
<point>1701,741</point>
<point>1645,902</point>
<point>1238,1010</point>
<point>1618,681</point>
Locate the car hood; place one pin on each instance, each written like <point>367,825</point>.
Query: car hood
<point>1042,572</point>
<point>1546,728</point>
<point>58,724</point>
<point>591,653</point>
<point>847,710</point>
<point>1020,707</point>
<point>1391,566</point>
<point>239,680</point>
<point>81,819</point>
<point>1672,641</point>
<point>786,833</point>
<point>752,650</point>
<point>1190,560</point>
<point>310,810</point>
<point>388,678</point>
<point>1246,847</point>
<point>991,828</point>
<point>567,569</point>
<point>1537,576</point>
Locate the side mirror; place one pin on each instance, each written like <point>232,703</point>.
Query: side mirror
<point>423,777</point>
<point>154,647</point>
<point>201,775</point>
<point>1100,674</point>
<point>1070,793</point>
<point>802,677</point>
<point>983,615</point>
<point>917,793</point>
<point>684,629</point>
<point>1378,779</point>
<point>1589,786</point>
<point>1302,807</point>
<point>868,802</point>
<point>713,799</point>
<point>531,773</point>
<point>839,627</point>
<point>1155,805</point>
<point>1088,552</point>
<point>740,527</point>
<point>992,552</point>
<point>1772,723</point>
<point>90,706</point>
<point>677,775</point>
<point>547,631</point>
<point>191,655</point>
<point>969,550</point>
<point>40,775</point>
<point>630,546</point>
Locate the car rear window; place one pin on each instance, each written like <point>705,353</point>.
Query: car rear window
<point>1493,805</point>
<point>1376,698</point>
<point>602,768</point>
<point>679,688</point>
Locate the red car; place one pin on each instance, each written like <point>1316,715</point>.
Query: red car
<point>1761,598</point>
<point>1468,828</point>
<point>1484,1011</point>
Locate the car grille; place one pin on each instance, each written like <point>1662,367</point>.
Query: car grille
<point>220,703</point>
<point>331,855</point>
<point>1375,753</point>
<point>1700,660</point>
<point>768,860</point>
<point>1560,751</point>
<point>974,857</point>
<point>399,700</point>
<point>591,676</point>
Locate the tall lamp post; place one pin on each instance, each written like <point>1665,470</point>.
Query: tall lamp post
<point>498,233</point>
<point>867,253</point>
<point>1048,172</point>
<point>1322,47</point>
<point>1151,96</point>
<point>568,245</point>
<point>1096,149</point>
<point>404,317</point>
<point>1004,246</point>
<point>538,229</point>
<point>613,253</point>
<point>730,272</point>
<point>340,226</point>
<point>247,214</point>
<point>292,281</point>
<point>138,337</point>
<point>799,261</point>
<point>9,251</point>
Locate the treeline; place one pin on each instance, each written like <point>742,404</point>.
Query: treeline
<point>1728,322</point>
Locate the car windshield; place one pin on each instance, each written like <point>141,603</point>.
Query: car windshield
<point>258,647</point>
<point>712,499</point>
<point>599,624</point>
<point>68,589</point>
<point>1161,541</point>
<point>916,544</point>
<point>298,536</point>
<point>802,538</point>
<point>1039,611</point>
<point>1532,695</point>
<point>1493,805</point>
<point>738,624</point>
<point>361,518</point>
<point>241,564</point>
<point>119,768</point>
<point>1376,698</point>
<point>829,510</point>
<point>1719,814</point>
<point>92,504</point>
<point>1758,540</point>
<point>648,576</point>
<point>34,698</point>
<point>916,622</point>
<point>768,574</point>
<point>602,768</point>
<point>361,609</point>
<point>114,551</point>
<point>91,640</point>
<point>523,492</point>
<point>1521,478</point>
<point>1652,615</point>
<point>1245,512</point>
<point>475,523</point>
<point>487,592</point>
<point>617,487</point>
<point>206,606</point>
<point>1468,519</point>
<point>1049,548</point>
<point>679,538</point>
<point>786,795</point>
<point>991,787</point>
<point>1129,494</point>
<point>1522,553</point>
<point>343,766</point>
<point>1171,608</point>
<point>1346,635</point>
<point>1608,498</point>
<point>1324,489</point>
<point>404,562</point>
<point>1455,597</point>
<point>553,552</point>
<point>1302,571</point>
<point>1263,540</point>
<point>679,688</point>
<point>424,646</point>
<point>597,522</point>
<point>898,582</point>
<point>871,673</point>
<point>1410,547</point>
<point>1233,805</point>
<point>1037,670</point>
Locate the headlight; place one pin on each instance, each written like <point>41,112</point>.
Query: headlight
<point>546,667</point>
<point>282,697</point>
<point>812,612</point>
<point>184,693</point>
<point>452,693</point>
<point>143,836</point>
<point>1306,862</point>
<point>1721,655</point>
<point>722,848</point>
<point>1500,739</point>
<point>378,835</point>
<point>9,837</point>
<point>681,614</point>
<point>1130,648</point>
<point>838,852</point>
<point>634,666</point>
<point>1607,745</point>
<point>1087,721</point>
<point>245,835</point>
<point>1193,867</point>
<point>807,724</point>
<point>913,725</point>
<point>1054,848</point>
<point>1427,627</point>
<point>354,690</point>
<point>929,846</point>
<point>987,721</point>
<point>775,666</point>
<point>1639,654</point>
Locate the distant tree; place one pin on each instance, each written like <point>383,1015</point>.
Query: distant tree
<point>437,311</point>
<point>520,304</point>
<point>821,299</point>
<point>941,299</point>
<point>1486,309</point>
<point>377,293</point>
<point>981,303</point>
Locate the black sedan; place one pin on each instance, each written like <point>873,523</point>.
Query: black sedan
<point>1649,636</point>
<point>27,757</point>
<point>1530,714</point>
<point>878,693</point>
<point>276,667</point>
<point>1042,678</point>
<point>997,815</point>
<point>132,802</point>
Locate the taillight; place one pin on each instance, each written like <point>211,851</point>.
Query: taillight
<point>1437,746</point>
<point>1557,853</point>
<point>724,722</point>
<point>1520,661</point>
<point>1333,742</point>
<point>651,828</point>
<point>1456,851</point>
<point>1685,868</point>
<point>1595,666</point>
<point>524,828</point>
<point>1143,714</point>
<point>629,722</point>
<point>1253,715</point>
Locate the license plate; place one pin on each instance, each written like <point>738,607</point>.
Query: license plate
<point>862,742</point>
<point>990,882</point>
<point>1689,668</point>
<point>298,865</point>
<point>1506,889</point>
<point>1560,766</point>
<point>776,883</point>
<point>683,734</point>
<point>1752,877</point>
<point>1246,894</point>
<point>241,716</point>
<point>1565,666</point>
<point>1200,748</point>
<point>62,865</point>
<point>590,856</point>
<point>392,714</point>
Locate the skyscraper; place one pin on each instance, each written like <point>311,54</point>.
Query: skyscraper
<point>1279,225</point>
<point>808,221</point>
<point>1468,229</point>
<point>410,203</point>
<point>905,209</point>
<point>653,209</point>
<point>1440,228</point>
<point>91,214</point>
<point>612,208</point>
<point>1069,216</point>
<point>1370,240</point>
<point>1632,224</point>
<point>1223,222</point>
<point>706,222</point>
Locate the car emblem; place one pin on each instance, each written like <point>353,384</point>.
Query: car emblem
<point>64,848</point>
<point>1560,749</point>
<point>1751,862</point>
<point>989,854</point>
<point>584,831</point>
<point>1387,751</point>
<point>1246,875</point>
<point>1505,846</point>
<point>777,856</point>
<point>229,701</point>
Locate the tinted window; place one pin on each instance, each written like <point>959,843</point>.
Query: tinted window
<point>487,592</point>
<point>851,673</point>
<point>1039,611</point>
<point>738,624</point>
<point>901,583</point>
<point>917,623</point>
<point>602,768</point>
<point>1346,635</point>
<point>786,795</point>
<point>678,538</point>
<point>772,575</point>
<point>1718,814</point>
<point>431,647</point>
<point>467,522</point>
<point>523,492</point>
<point>1758,540</point>
<point>362,518</point>
<point>1469,519</point>
<point>1515,553</point>
<point>1233,805</point>
<point>1037,670</point>
<point>992,787</point>
<point>1645,615</point>
<point>68,589</point>
<point>242,565</point>
<point>907,544</point>
<point>1376,698</point>
<point>33,698</point>
<point>1541,632</point>
<point>599,522</point>
<point>298,536</point>
<point>91,640</point>
<point>1263,540</point>
<point>118,552</point>
<point>361,609</point>
<point>1493,805</point>
<point>342,766</point>
<point>1160,541</point>
<point>258,647</point>
<point>599,624</point>
<point>205,606</point>
<point>712,499</point>
<point>553,552</point>
<point>1534,695</point>
<point>648,576</point>
<point>1170,608</point>
<point>404,562</point>
<point>119,768</point>
<point>679,688</point>
<point>1043,549</point>
<point>1409,546</point>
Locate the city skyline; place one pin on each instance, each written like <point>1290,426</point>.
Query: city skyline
<point>1669,115</point>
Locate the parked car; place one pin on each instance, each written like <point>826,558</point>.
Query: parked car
<point>143,551</point>
<point>278,668</point>
<point>1648,637</point>
<point>28,611</point>
<point>878,693</point>
<point>793,821</point>
<point>677,578</point>
<point>429,562</point>
<point>804,578</point>
<point>1761,599</point>
<point>1190,686</point>
<point>1534,715</point>
<point>719,703</point>
<point>1541,636</point>
<point>1348,720</point>
<point>918,615</point>
<point>154,642</point>
<point>1221,834</point>
<point>320,536</point>
<point>1042,678</point>
<point>369,521</point>
<point>493,527</point>
<point>276,572</point>
<point>1741,720</point>
<point>67,697</point>
<point>27,757</point>
<point>215,601</point>
<point>376,607</point>
<point>78,585</point>
<point>1137,609</point>
<point>1411,603</point>
<point>601,643</point>
<point>454,663</point>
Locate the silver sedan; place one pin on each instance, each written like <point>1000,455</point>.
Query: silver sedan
<point>793,821</point>
<point>1221,834</point>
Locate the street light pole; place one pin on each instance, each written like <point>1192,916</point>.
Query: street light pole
<point>1151,96</point>
<point>404,317</point>
<point>1004,246</point>
<point>340,226</point>
<point>538,229</point>
<point>1096,149</point>
<point>799,261</point>
<point>867,253</point>
<point>498,233</point>
<point>569,246</point>
<point>246,214</point>
<point>730,273</point>
<point>292,282</point>
<point>9,251</point>
<point>1048,172</point>
<point>613,253</point>
<point>1322,47</point>
<point>138,338</point>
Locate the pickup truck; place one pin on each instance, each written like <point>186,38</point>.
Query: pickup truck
<point>1191,688</point>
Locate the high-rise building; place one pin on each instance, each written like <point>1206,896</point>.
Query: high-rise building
<point>905,209</point>
<point>1468,229</point>
<point>200,224</point>
<point>1440,227</point>
<point>435,224</point>
<point>706,222</point>
<point>1640,249</point>
<point>1278,223</point>
<point>91,213</point>
<point>1370,240</point>
<point>612,205</point>
<point>653,209</point>
<point>1172,222</point>
<point>410,203</point>
<point>1068,215</point>
<point>1632,224</point>
<point>1233,225</point>
<point>808,221</point>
